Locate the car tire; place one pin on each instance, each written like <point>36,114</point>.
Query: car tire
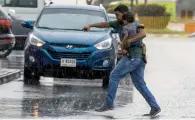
<point>7,53</point>
<point>30,76</point>
<point>105,82</point>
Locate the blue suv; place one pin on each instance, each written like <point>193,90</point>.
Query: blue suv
<point>58,47</point>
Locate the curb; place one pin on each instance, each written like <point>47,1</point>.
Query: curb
<point>9,75</point>
<point>168,35</point>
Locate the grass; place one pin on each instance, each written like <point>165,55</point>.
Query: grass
<point>164,31</point>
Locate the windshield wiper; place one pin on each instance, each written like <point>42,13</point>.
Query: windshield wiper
<point>58,28</point>
<point>73,29</point>
<point>45,28</point>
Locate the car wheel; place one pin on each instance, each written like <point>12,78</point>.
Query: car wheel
<point>105,82</point>
<point>30,76</point>
<point>5,53</point>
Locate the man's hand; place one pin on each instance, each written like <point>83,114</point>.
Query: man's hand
<point>87,28</point>
<point>124,52</point>
<point>129,41</point>
<point>121,52</point>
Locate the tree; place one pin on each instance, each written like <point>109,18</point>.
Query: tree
<point>145,2</point>
<point>132,3</point>
<point>89,2</point>
<point>136,2</point>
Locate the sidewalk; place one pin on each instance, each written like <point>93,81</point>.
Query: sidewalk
<point>174,27</point>
<point>7,75</point>
<point>169,35</point>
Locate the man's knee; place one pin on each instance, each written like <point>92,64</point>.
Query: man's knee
<point>140,86</point>
<point>114,74</point>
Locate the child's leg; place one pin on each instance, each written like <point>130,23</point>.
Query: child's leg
<point>143,49</point>
<point>144,52</point>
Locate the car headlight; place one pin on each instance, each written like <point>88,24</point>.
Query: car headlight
<point>35,41</point>
<point>104,44</point>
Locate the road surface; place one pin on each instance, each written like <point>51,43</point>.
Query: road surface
<point>169,75</point>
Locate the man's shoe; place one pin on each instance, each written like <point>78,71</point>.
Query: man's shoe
<point>154,112</point>
<point>104,107</point>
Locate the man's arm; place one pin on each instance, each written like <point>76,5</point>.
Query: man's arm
<point>141,34</point>
<point>112,24</point>
<point>100,25</point>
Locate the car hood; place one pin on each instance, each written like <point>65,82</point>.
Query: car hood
<point>70,37</point>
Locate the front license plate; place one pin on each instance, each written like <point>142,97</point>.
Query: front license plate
<point>68,62</point>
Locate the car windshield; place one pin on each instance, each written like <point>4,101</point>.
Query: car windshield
<point>69,19</point>
<point>112,18</point>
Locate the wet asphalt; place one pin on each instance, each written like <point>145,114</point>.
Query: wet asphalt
<point>169,75</point>
<point>53,97</point>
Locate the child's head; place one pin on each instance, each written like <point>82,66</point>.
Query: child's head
<point>128,18</point>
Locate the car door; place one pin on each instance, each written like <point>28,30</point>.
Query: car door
<point>114,35</point>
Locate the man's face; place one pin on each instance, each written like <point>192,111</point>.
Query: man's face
<point>119,16</point>
<point>125,22</point>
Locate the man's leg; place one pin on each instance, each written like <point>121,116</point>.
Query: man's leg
<point>140,85</point>
<point>124,67</point>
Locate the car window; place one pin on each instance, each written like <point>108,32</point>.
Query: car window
<point>19,3</point>
<point>70,18</point>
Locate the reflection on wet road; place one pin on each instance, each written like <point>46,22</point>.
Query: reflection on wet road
<point>53,97</point>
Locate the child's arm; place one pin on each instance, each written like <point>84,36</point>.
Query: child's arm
<point>124,42</point>
<point>125,38</point>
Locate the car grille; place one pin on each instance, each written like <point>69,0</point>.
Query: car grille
<point>74,45</point>
<point>78,56</point>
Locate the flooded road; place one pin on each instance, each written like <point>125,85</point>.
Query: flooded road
<point>169,75</point>
<point>53,97</point>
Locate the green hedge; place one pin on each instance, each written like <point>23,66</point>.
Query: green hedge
<point>170,6</point>
<point>153,16</point>
<point>151,10</point>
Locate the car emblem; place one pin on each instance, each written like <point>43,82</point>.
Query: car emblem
<point>69,46</point>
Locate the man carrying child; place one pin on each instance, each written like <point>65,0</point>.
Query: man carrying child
<point>132,63</point>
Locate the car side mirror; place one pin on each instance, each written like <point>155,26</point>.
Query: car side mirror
<point>27,24</point>
<point>11,12</point>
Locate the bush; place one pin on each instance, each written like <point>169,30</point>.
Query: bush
<point>151,10</point>
<point>110,10</point>
<point>153,16</point>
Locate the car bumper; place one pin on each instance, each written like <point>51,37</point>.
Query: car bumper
<point>90,62</point>
<point>20,42</point>
<point>6,44</point>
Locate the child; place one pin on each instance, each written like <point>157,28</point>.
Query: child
<point>130,30</point>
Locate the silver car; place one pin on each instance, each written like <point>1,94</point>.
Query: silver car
<point>7,39</point>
